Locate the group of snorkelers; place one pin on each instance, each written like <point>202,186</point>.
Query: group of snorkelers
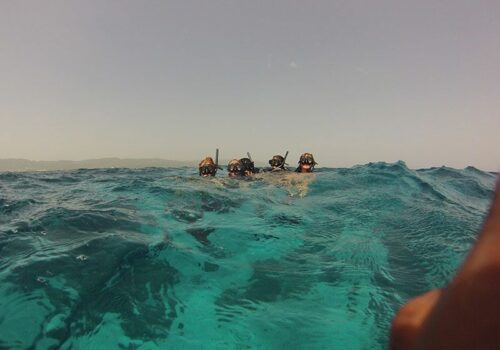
<point>246,167</point>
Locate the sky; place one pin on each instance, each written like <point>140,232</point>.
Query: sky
<point>350,81</point>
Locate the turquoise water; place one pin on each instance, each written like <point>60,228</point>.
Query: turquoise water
<point>159,258</point>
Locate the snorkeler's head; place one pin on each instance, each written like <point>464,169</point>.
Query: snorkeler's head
<point>235,168</point>
<point>306,163</point>
<point>207,167</point>
<point>277,162</point>
<point>247,166</point>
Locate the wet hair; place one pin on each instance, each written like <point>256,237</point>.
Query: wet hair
<point>235,166</point>
<point>307,158</point>
<point>207,167</point>
<point>247,165</point>
<point>277,162</point>
<point>206,161</point>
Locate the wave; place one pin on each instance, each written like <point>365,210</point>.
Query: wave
<point>163,259</point>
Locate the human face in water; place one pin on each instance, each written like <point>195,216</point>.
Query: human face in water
<point>305,168</point>
<point>277,163</point>
<point>207,167</point>
<point>234,169</point>
<point>207,170</point>
<point>306,163</point>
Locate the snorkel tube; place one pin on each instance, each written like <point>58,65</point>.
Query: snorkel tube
<point>217,159</point>
<point>207,167</point>
<point>281,166</point>
<point>284,159</point>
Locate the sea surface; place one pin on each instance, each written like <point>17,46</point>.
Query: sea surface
<point>159,258</point>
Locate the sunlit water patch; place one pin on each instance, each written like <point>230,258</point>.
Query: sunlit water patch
<point>159,258</point>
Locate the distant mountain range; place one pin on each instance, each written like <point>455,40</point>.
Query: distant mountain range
<point>31,165</point>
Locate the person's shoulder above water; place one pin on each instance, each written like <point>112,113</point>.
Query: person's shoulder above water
<point>306,163</point>
<point>276,170</point>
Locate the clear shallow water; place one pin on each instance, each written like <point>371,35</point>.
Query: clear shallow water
<point>159,258</point>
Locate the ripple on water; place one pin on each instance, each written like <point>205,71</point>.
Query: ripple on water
<point>159,258</point>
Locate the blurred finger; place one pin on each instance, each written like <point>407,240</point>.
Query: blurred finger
<point>408,322</point>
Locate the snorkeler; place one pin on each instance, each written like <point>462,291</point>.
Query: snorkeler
<point>248,166</point>
<point>278,163</point>
<point>208,167</point>
<point>235,168</point>
<point>306,163</point>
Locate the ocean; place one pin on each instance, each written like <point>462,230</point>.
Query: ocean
<point>159,258</point>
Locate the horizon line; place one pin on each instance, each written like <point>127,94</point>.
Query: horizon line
<point>190,163</point>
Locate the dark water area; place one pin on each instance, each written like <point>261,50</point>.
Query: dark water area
<point>160,258</point>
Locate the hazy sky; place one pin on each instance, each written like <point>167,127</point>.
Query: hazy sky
<point>350,81</point>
